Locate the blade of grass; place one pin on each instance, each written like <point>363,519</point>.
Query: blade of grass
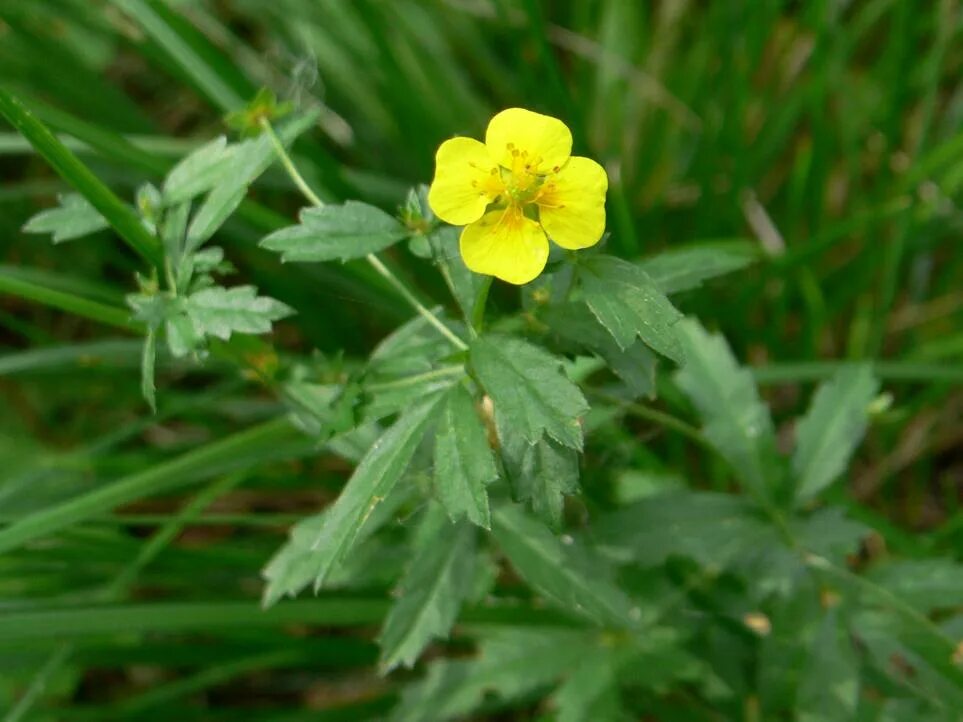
<point>327,611</point>
<point>69,302</point>
<point>246,447</point>
<point>120,216</point>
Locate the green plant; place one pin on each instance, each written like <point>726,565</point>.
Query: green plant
<point>565,501</point>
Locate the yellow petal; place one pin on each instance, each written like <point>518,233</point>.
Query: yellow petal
<point>505,244</point>
<point>572,204</point>
<point>522,140</point>
<point>466,181</point>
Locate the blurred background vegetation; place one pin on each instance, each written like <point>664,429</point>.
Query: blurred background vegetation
<point>825,133</point>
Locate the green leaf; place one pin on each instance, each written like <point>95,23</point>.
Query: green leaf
<point>513,662</point>
<point>329,233</point>
<point>542,474</point>
<point>926,584</point>
<point>199,172</point>
<point>713,529</point>
<point>629,304</point>
<point>829,688</point>
<point>148,357</point>
<point>463,459</point>
<point>591,691</point>
<point>530,392</point>
<point>219,311</point>
<point>246,161</point>
<point>685,268</point>
<point>835,423</point>
<point>295,565</point>
<point>736,421</point>
<point>73,218</point>
<point>568,573</point>
<point>372,480</point>
<point>436,584</point>
<point>182,336</point>
<point>635,365</point>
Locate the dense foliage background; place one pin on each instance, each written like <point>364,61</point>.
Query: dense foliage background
<point>810,155</point>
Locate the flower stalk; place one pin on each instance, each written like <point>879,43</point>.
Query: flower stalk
<point>371,258</point>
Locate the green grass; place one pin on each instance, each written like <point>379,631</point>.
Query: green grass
<point>829,135</point>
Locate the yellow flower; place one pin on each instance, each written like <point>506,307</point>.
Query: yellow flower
<point>510,191</point>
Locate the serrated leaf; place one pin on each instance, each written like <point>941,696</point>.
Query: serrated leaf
<point>829,688</point>
<point>336,232</point>
<point>542,474</point>
<point>682,269</point>
<point>629,304</point>
<point>295,565</point>
<point>715,530</point>
<point>735,420</point>
<point>147,361</point>
<point>182,336</point>
<point>372,480</point>
<point>530,392</point>
<point>568,573</point>
<point>73,218</point>
<point>439,579</point>
<point>830,431</point>
<point>635,365</point>
<point>591,691</point>
<point>463,459</point>
<point>151,309</point>
<point>246,162</point>
<point>199,172</point>
<point>219,311</point>
<point>513,662</point>
<point>926,584</point>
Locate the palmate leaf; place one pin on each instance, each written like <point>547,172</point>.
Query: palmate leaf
<point>530,392</point>
<point>74,218</point>
<point>685,268</point>
<point>219,311</point>
<point>571,575</point>
<point>513,662</point>
<point>713,529</point>
<point>439,579</point>
<point>735,419</point>
<point>294,566</point>
<point>542,474</point>
<point>835,423</point>
<point>369,485</point>
<point>463,459</point>
<point>630,305</point>
<point>575,323</point>
<point>336,232</point>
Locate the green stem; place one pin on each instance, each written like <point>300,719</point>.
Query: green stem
<point>372,259</point>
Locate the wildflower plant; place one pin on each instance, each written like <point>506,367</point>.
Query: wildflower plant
<point>468,433</point>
